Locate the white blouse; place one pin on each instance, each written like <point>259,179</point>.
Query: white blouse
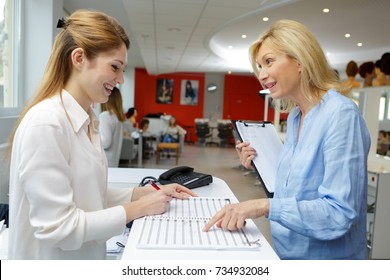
<point>111,134</point>
<point>60,206</point>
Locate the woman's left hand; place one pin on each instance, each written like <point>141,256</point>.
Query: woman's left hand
<point>178,191</point>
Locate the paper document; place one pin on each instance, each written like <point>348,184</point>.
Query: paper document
<point>181,228</point>
<point>263,137</point>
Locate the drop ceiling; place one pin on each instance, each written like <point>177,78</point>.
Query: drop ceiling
<point>205,35</point>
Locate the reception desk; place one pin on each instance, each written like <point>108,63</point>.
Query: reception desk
<point>131,177</point>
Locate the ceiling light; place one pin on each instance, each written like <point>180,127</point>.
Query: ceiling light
<point>359,44</point>
<point>347,35</point>
<point>265,19</point>
<point>243,36</point>
<point>230,47</point>
<point>211,87</point>
<point>326,10</point>
<point>328,53</point>
<point>174,29</point>
<point>229,72</point>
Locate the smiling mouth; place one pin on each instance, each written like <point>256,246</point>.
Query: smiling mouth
<point>108,88</point>
<point>270,86</point>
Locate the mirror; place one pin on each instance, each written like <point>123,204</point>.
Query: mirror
<point>374,103</point>
<point>383,145</point>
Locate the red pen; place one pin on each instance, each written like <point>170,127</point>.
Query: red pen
<point>154,185</point>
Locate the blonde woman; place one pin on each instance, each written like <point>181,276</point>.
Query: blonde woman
<point>111,121</point>
<point>60,206</point>
<point>318,210</point>
<point>173,131</point>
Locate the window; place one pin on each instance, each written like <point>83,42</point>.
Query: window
<point>9,46</point>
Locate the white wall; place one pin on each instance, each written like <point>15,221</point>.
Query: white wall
<point>127,89</point>
<point>39,30</point>
<point>213,102</point>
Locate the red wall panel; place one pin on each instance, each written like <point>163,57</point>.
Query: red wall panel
<point>242,99</point>
<point>145,97</point>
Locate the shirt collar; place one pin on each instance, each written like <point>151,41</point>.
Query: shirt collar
<point>77,115</point>
<point>297,112</point>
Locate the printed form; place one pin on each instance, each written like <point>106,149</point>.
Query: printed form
<point>181,228</point>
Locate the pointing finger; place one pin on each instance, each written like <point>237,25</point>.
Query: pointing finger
<point>214,220</point>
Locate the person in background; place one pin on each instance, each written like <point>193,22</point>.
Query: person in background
<point>367,72</point>
<point>60,205</point>
<point>385,69</point>
<point>143,131</point>
<point>146,138</point>
<point>351,70</point>
<point>383,143</point>
<point>111,121</point>
<point>318,210</point>
<point>131,125</point>
<point>380,79</point>
<point>173,131</point>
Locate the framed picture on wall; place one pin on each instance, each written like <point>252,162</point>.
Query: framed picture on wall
<point>164,91</point>
<point>189,92</point>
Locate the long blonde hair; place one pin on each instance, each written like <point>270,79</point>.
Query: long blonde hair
<point>295,40</point>
<point>114,105</point>
<point>94,32</point>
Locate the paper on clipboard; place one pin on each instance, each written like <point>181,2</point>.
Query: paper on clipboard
<point>263,137</point>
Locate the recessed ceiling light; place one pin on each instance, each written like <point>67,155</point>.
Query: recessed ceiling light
<point>359,44</point>
<point>243,36</point>
<point>347,35</point>
<point>174,29</point>
<point>326,10</point>
<point>265,19</point>
<point>230,47</point>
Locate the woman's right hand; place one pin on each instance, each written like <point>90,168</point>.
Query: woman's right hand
<point>153,203</point>
<point>246,153</point>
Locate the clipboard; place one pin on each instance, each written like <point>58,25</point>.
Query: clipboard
<point>263,137</point>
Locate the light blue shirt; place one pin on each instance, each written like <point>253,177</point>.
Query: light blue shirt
<point>319,205</point>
